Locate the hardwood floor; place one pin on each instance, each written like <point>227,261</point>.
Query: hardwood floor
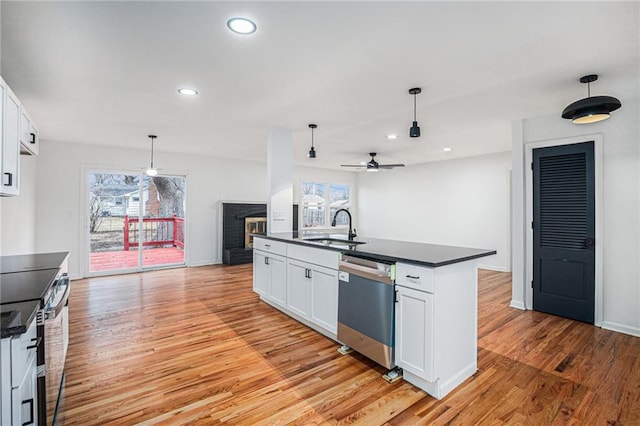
<point>197,346</point>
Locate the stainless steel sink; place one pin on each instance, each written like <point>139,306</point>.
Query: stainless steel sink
<point>335,241</point>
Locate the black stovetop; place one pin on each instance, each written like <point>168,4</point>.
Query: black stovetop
<point>31,262</point>
<point>23,286</point>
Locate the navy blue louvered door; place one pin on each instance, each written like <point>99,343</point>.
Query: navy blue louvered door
<point>564,231</point>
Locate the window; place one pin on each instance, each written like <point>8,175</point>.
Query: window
<point>321,201</point>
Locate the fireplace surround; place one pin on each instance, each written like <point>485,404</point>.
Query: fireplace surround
<point>238,220</point>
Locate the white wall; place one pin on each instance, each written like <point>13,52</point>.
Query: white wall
<point>462,202</point>
<point>61,194</point>
<point>620,203</point>
<point>18,214</point>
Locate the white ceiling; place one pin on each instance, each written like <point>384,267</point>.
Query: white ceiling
<point>107,73</point>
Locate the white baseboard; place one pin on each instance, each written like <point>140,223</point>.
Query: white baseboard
<point>205,263</point>
<point>494,268</point>
<point>518,304</point>
<point>621,328</point>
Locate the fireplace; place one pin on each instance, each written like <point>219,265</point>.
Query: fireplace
<point>238,221</point>
<point>253,225</point>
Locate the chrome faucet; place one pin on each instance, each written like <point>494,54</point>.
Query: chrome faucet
<point>352,234</point>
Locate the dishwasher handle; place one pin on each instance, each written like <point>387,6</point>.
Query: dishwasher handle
<point>380,274</point>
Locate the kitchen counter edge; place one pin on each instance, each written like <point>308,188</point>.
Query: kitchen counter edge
<point>465,253</point>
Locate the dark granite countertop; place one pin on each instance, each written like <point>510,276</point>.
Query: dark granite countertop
<point>31,262</point>
<point>17,317</point>
<point>431,255</point>
<point>23,286</point>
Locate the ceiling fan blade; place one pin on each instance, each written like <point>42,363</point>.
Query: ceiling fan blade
<point>390,166</point>
<point>353,165</point>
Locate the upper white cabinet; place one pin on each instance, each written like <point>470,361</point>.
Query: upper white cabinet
<point>10,153</point>
<point>29,139</point>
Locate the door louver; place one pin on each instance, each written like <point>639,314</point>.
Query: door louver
<point>563,201</point>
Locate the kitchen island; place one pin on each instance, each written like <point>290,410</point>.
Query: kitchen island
<point>435,308</point>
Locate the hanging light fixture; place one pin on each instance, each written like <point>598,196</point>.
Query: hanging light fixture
<point>152,171</point>
<point>414,131</point>
<point>312,151</point>
<point>590,109</point>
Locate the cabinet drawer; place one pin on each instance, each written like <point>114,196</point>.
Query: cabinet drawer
<point>22,349</point>
<point>270,246</point>
<point>416,277</point>
<point>327,258</point>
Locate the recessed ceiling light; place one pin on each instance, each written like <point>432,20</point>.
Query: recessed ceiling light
<point>447,149</point>
<point>187,91</point>
<point>242,25</point>
<point>392,137</point>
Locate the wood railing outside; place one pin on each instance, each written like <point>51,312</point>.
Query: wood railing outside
<point>155,231</point>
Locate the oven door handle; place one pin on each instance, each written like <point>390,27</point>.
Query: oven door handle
<point>53,312</point>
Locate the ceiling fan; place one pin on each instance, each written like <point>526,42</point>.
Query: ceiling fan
<point>373,165</point>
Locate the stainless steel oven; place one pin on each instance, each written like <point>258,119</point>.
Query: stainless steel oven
<point>53,325</point>
<point>366,308</point>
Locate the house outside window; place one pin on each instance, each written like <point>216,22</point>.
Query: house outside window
<point>320,202</point>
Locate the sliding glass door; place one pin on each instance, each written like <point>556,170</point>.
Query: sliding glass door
<point>135,222</point>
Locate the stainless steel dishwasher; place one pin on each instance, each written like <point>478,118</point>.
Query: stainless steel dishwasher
<point>366,303</point>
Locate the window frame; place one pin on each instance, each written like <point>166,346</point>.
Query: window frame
<point>326,205</point>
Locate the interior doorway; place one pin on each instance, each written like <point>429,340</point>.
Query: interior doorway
<point>135,222</point>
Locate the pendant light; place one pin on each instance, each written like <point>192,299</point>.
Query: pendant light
<point>151,171</point>
<point>414,131</point>
<point>590,109</point>
<point>312,151</point>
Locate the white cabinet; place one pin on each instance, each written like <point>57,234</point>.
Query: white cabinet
<point>24,398</point>
<point>436,325</point>
<point>312,293</point>
<point>414,332</point>
<point>298,288</point>
<point>270,276</point>
<point>324,297</point>
<point>29,137</point>
<point>19,392</point>
<point>10,153</point>
<point>299,280</point>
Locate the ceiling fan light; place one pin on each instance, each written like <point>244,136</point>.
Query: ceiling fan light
<point>372,169</point>
<point>414,131</point>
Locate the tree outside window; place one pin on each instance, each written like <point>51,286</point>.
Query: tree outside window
<point>320,201</point>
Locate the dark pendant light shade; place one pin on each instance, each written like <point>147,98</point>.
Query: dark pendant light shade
<point>414,130</point>
<point>312,151</point>
<point>592,108</point>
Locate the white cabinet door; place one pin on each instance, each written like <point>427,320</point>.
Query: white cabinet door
<point>261,273</point>
<point>29,140</point>
<point>414,332</point>
<point>10,143</point>
<point>278,285</point>
<point>24,399</point>
<point>298,288</point>
<point>324,297</point>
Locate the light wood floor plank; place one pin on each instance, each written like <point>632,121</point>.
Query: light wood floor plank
<point>197,346</point>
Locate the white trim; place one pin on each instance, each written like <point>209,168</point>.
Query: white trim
<point>598,151</point>
<point>621,328</point>
<point>517,304</point>
<point>205,263</point>
<point>494,268</point>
